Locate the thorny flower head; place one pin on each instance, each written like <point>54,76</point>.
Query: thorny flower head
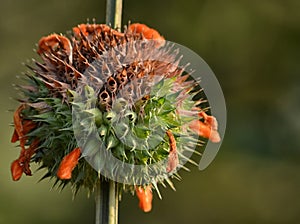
<point>110,104</point>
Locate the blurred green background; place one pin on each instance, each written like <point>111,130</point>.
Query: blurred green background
<point>254,49</point>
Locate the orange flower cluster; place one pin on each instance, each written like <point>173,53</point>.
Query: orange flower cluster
<point>22,126</point>
<point>52,42</point>
<point>206,126</point>
<point>22,164</point>
<point>87,29</point>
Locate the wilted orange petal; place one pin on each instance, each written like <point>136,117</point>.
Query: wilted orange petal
<point>18,123</point>
<point>51,43</point>
<point>172,161</point>
<point>147,32</point>
<point>68,164</point>
<point>145,197</point>
<point>16,170</point>
<point>33,146</point>
<point>87,29</point>
<point>24,163</point>
<point>80,29</point>
<point>26,155</point>
<point>28,125</point>
<point>15,137</point>
<point>205,130</point>
<point>210,120</point>
<point>173,156</point>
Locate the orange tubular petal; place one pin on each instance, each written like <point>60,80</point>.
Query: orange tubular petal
<point>25,164</point>
<point>145,197</point>
<point>18,123</point>
<point>26,155</point>
<point>210,120</point>
<point>32,148</point>
<point>15,137</point>
<point>68,164</point>
<point>16,170</point>
<point>172,161</point>
<point>87,29</point>
<point>80,29</point>
<point>52,43</point>
<point>28,125</point>
<point>147,32</point>
<point>173,156</point>
<point>205,130</point>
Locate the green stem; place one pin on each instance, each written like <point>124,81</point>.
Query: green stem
<point>98,204</point>
<point>113,203</point>
<point>106,198</point>
<point>114,13</point>
<point>106,195</point>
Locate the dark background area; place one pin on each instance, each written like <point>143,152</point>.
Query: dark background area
<point>254,49</point>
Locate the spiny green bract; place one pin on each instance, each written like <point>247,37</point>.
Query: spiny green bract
<point>134,135</point>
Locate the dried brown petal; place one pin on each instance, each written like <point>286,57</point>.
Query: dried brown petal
<point>55,43</point>
<point>92,29</point>
<point>173,155</point>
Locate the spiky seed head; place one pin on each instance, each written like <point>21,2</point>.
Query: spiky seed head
<point>131,96</point>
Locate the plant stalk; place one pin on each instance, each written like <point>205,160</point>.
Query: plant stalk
<point>114,13</point>
<point>106,198</point>
<point>106,195</point>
